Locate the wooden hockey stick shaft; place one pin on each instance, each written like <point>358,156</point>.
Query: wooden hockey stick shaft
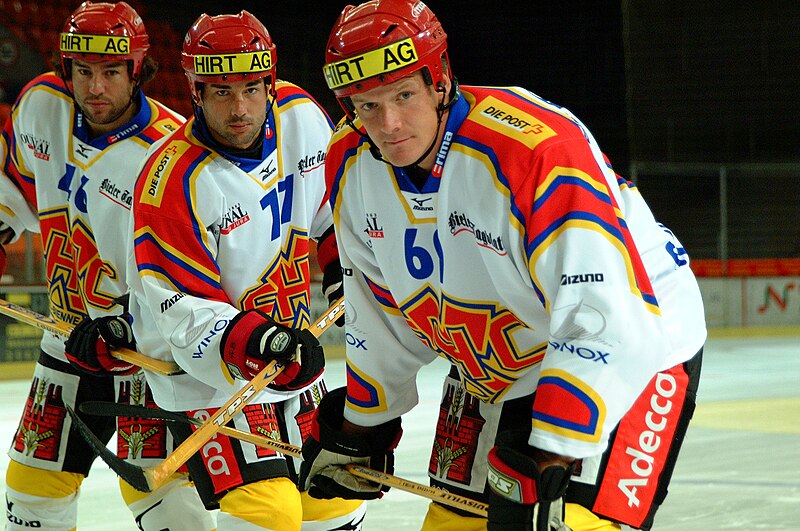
<point>432,493</point>
<point>158,474</point>
<point>148,479</point>
<point>48,324</point>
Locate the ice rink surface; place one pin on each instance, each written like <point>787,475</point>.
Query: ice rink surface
<point>739,468</point>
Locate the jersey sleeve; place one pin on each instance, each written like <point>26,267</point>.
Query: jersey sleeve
<point>384,356</point>
<point>606,335</point>
<point>380,385</point>
<point>17,184</point>
<point>175,257</point>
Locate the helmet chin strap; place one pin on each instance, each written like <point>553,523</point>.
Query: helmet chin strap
<point>455,93</point>
<point>440,109</point>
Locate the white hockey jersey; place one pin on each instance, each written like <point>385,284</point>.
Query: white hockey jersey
<point>522,260</point>
<point>77,192</point>
<point>214,235</point>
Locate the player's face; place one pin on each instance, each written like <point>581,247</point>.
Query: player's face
<point>235,112</point>
<point>401,119</point>
<point>103,91</point>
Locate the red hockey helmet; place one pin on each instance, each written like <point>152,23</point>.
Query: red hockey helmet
<point>228,48</point>
<point>99,31</point>
<point>381,41</point>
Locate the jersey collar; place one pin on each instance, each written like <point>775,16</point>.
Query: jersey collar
<point>458,113</point>
<point>200,130</point>
<point>131,128</point>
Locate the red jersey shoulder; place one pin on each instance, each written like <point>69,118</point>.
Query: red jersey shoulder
<point>49,79</point>
<point>288,93</point>
<point>513,114</point>
<point>343,145</point>
<point>163,120</point>
<point>162,178</point>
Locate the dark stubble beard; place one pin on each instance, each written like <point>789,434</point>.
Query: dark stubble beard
<point>243,145</point>
<point>111,117</point>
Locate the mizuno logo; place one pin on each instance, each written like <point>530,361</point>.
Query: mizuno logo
<point>82,151</point>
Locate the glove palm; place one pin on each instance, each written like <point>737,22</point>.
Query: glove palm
<point>328,449</point>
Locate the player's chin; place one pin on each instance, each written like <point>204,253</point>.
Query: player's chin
<point>241,138</point>
<point>101,117</point>
<point>399,156</point>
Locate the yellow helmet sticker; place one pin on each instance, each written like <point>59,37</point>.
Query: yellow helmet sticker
<point>101,44</point>
<point>381,61</point>
<point>232,63</point>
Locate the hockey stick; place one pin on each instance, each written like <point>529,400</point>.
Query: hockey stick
<point>48,324</point>
<point>432,493</point>
<point>148,479</point>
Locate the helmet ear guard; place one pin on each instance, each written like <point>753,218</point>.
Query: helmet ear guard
<point>99,31</point>
<point>380,42</point>
<point>226,49</point>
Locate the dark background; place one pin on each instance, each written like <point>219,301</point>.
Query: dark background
<point>708,88</point>
<point>570,52</point>
<point>713,81</point>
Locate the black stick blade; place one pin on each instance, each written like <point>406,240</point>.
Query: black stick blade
<point>113,409</point>
<point>132,474</point>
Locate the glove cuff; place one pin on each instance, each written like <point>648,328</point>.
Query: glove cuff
<point>515,475</point>
<point>331,278</point>
<point>327,250</point>
<point>330,416</point>
<point>117,332</point>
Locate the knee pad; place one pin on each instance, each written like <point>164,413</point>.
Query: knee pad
<point>323,515</point>
<point>440,518</point>
<point>272,504</point>
<point>41,498</point>
<point>174,505</point>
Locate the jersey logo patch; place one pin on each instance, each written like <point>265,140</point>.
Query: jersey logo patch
<point>374,230</point>
<point>39,146</point>
<point>164,165</point>
<point>508,121</point>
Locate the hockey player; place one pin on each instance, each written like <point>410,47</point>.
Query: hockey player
<point>68,159</point>
<point>224,213</point>
<point>484,225</point>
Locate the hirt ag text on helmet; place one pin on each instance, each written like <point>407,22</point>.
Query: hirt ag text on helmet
<point>381,61</point>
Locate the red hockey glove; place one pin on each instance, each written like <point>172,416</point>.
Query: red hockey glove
<point>253,340</point>
<point>524,497</point>
<point>88,347</point>
<point>328,449</point>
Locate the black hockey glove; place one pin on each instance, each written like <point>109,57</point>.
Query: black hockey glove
<point>523,497</point>
<point>88,347</point>
<point>252,340</point>
<point>332,285</point>
<point>328,449</point>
